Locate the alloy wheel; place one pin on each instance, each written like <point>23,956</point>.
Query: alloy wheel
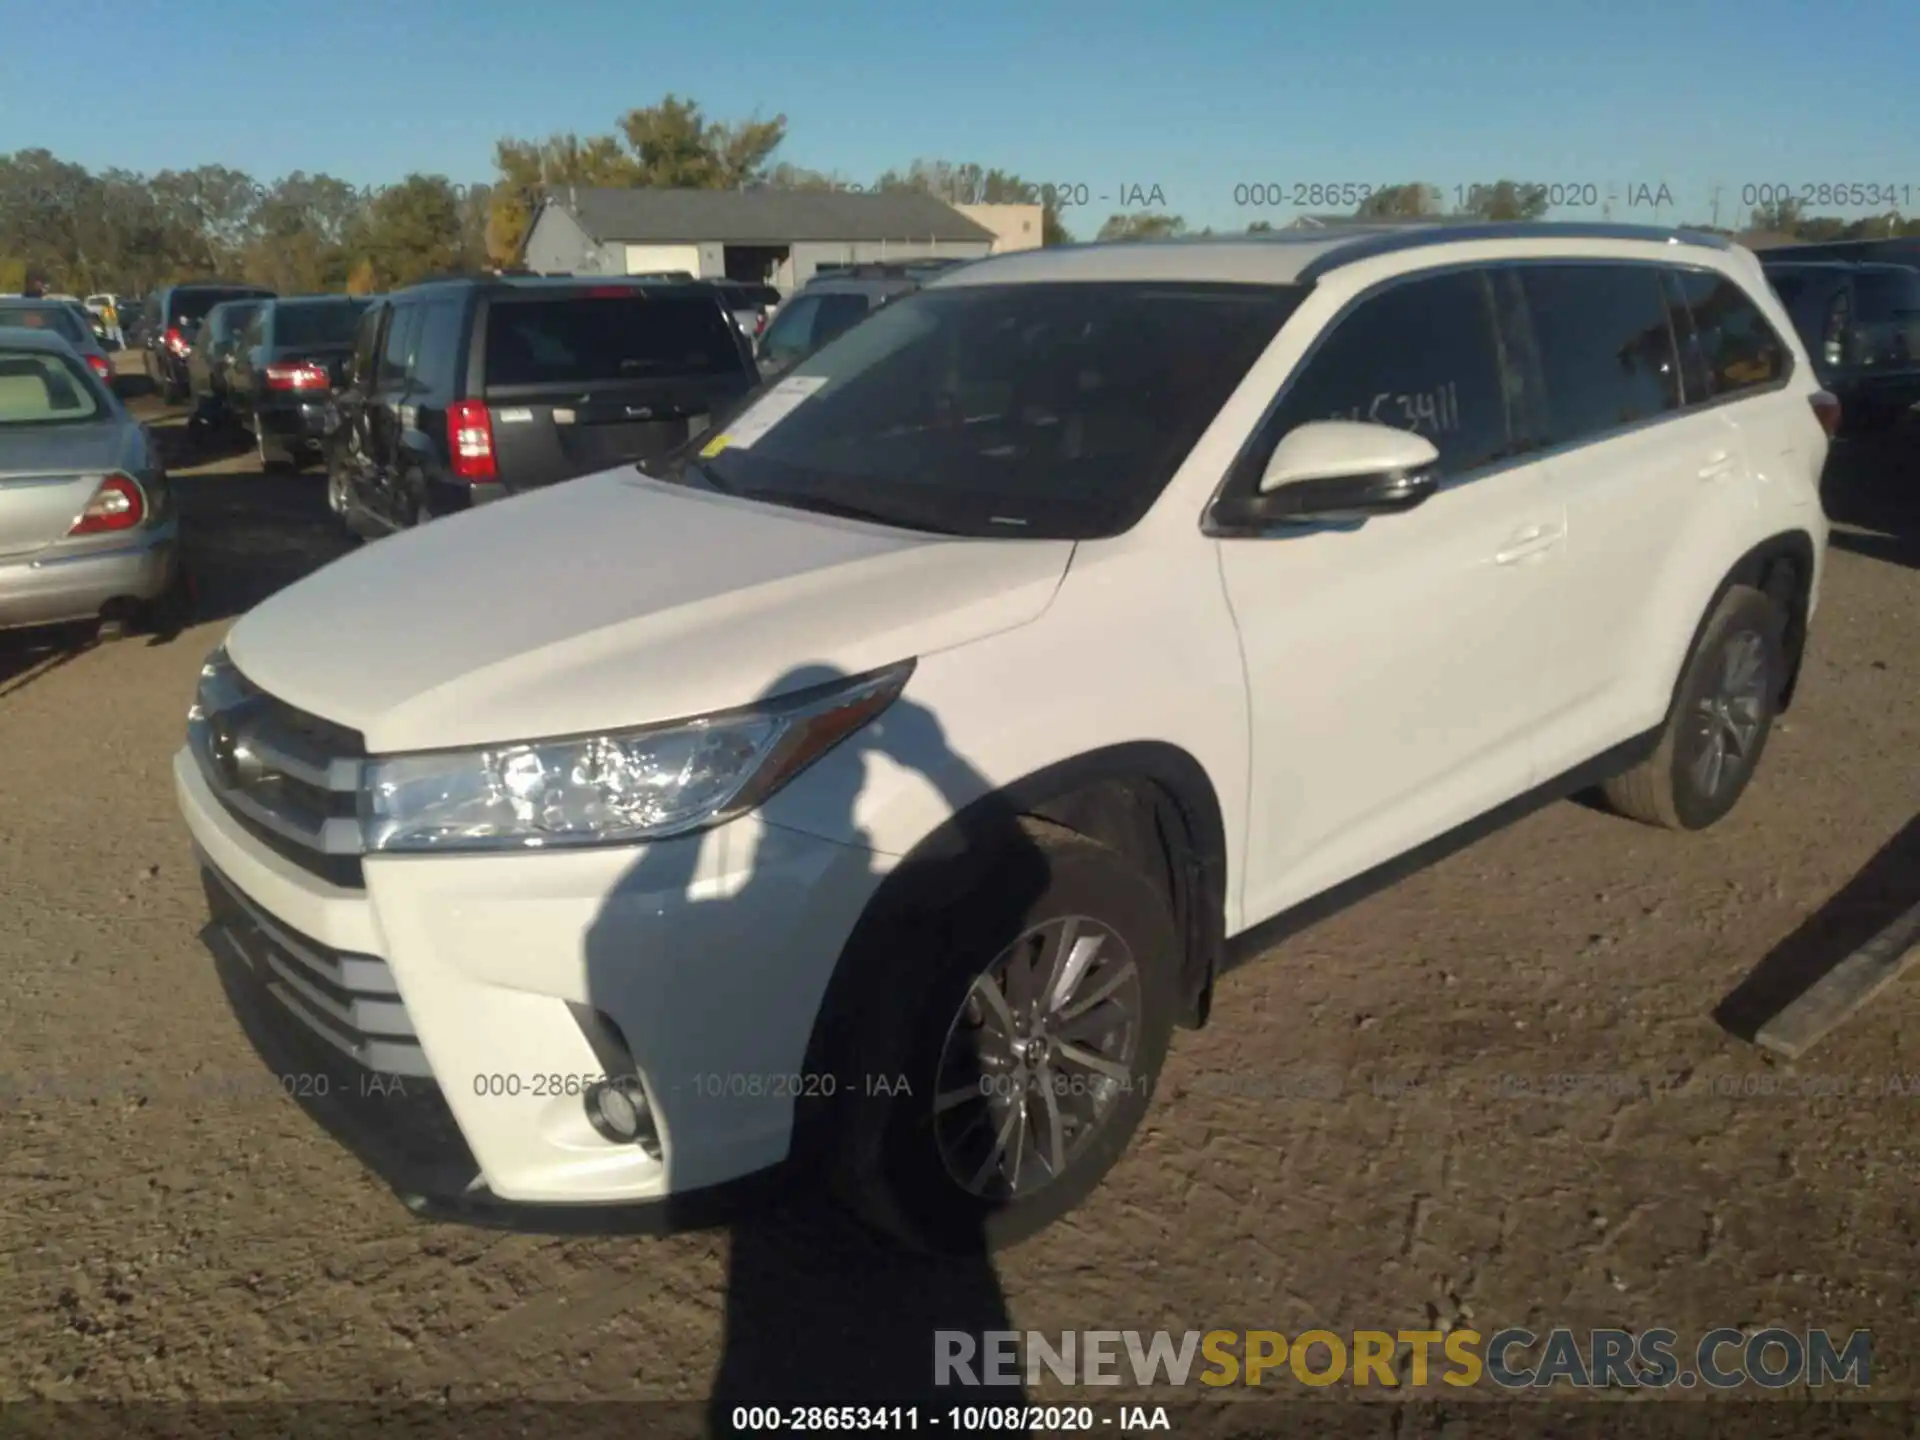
<point>1729,718</point>
<point>1040,1056</point>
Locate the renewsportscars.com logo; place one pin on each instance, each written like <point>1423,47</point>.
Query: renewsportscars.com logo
<point>1511,1359</point>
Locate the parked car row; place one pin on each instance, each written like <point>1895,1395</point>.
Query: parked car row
<point>1860,321</point>
<point>87,525</point>
<point>169,321</point>
<point>695,783</point>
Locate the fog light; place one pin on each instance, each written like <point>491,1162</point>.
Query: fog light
<point>618,1110</point>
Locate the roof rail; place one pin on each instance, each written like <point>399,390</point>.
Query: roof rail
<point>1420,237</point>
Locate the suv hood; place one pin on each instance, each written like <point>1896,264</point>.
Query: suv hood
<point>616,600</point>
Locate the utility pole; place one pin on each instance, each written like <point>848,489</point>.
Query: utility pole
<point>1716,207</point>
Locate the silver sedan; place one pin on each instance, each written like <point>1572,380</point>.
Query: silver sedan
<point>66,318</point>
<point>87,523</point>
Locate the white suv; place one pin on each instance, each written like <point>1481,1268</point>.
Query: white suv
<point>879,781</point>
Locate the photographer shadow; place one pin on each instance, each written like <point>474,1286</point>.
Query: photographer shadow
<point>819,1310</point>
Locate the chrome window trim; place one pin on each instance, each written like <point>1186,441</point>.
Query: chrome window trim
<point>1217,530</point>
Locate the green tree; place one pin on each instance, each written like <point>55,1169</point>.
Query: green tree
<point>1400,202</point>
<point>1142,226</point>
<point>1260,227</point>
<point>1508,200</point>
<point>671,144</point>
<point>1822,228</point>
<point>676,147</point>
<point>413,230</point>
<point>1779,217</point>
<point>302,232</point>
<point>528,169</point>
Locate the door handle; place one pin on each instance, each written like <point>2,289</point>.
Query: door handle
<point>1718,464</point>
<point>1532,541</point>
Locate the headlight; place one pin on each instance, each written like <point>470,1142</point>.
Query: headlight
<point>613,788</point>
<point>218,688</point>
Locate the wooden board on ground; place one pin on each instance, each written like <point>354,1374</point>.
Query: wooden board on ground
<point>1844,989</point>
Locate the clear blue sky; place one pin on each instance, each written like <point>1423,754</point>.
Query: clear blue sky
<point>1196,98</point>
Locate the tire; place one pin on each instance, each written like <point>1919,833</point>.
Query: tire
<point>904,1161</point>
<point>272,460</point>
<point>1741,649</point>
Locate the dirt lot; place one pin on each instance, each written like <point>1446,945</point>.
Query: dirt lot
<point>1360,1139</point>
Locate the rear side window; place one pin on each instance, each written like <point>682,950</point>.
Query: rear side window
<point>1887,294</point>
<point>787,337</point>
<point>837,313</point>
<point>1421,356</point>
<point>812,320</point>
<point>57,319</point>
<point>43,389</point>
<point>435,363</point>
<point>1606,352</point>
<point>399,348</point>
<point>1738,349</point>
<point>578,339</point>
<point>1789,285</point>
<point>331,322</point>
<point>366,343</point>
<point>192,305</point>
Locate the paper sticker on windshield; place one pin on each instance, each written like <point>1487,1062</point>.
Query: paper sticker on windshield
<point>771,408</point>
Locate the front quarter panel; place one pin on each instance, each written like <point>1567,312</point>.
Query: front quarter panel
<point>1137,647</point>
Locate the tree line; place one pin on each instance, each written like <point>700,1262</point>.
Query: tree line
<point>117,230</point>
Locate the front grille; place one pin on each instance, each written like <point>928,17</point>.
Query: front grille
<point>349,1001</point>
<point>361,1074</point>
<point>292,779</point>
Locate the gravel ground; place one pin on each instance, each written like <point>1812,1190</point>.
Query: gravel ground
<point>1365,1137</point>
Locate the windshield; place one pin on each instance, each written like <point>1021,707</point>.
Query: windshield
<point>1052,410</point>
<point>61,320</point>
<point>40,389</point>
<point>192,305</point>
<point>327,322</point>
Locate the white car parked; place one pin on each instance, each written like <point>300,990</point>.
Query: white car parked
<point>880,782</point>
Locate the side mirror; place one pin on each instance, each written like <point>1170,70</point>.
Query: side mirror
<point>1334,471</point>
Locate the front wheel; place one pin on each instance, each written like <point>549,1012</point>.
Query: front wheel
<point>1005,1072</point>
<point>1722,714</point>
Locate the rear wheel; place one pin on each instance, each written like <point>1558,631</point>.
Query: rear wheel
<point>1005,1068</point>
<point>1719,723</point>
<point>272,458</point>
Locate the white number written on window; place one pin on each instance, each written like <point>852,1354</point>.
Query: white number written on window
<point>1436,411</point>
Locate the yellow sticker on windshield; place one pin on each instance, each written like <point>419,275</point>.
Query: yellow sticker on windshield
<point>714,446</point>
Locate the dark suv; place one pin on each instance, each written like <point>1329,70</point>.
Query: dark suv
<point>291,355</point>
<point>835,300</point>
<point>1861,325</point>
<point>168,322</point>
<point>464,391</point>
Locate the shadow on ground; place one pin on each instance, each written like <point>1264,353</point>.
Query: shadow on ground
<point>244,533</point>
<point>1887,887</point>
<point>28,655</point>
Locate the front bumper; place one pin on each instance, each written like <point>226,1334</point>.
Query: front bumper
<point>451,1005</point>
<point>78,584</point>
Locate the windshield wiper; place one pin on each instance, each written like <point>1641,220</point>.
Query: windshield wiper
<point>821,505</point>
<point>684,472</point>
